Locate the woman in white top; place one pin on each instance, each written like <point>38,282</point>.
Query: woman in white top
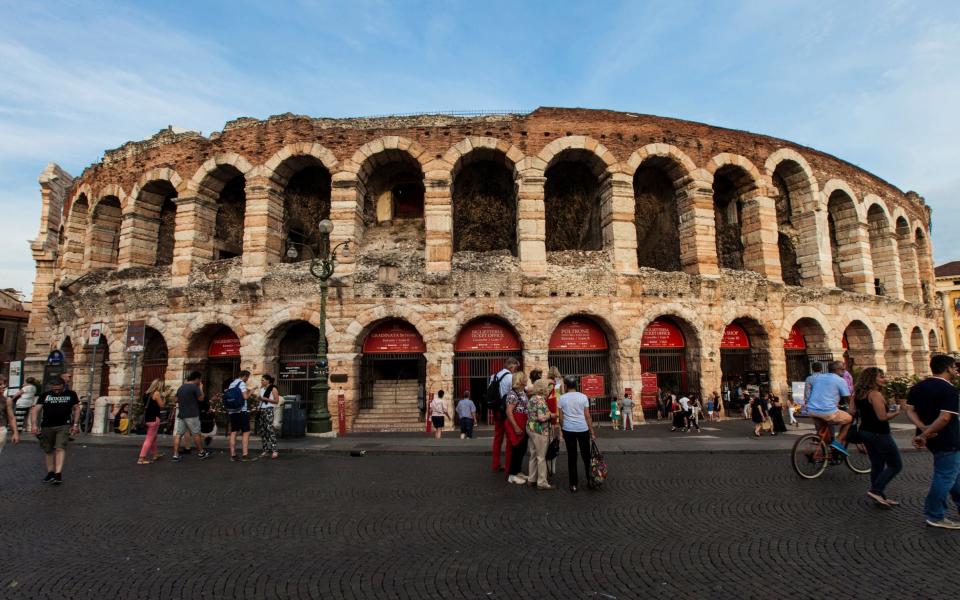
<point>577,428</point>
<point>437,411</point>
<point>25,399</point>
<point>269,399</point>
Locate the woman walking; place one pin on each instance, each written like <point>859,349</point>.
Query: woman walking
<point>758,414</point>
<point>577,430</point>
<point>871,406</point>
<point>438,410</point>
<point>626,410</point>
<point>24,401</point>
<point>776,415</point>
<point>614,413</point>
<point>517,427</point>
<point>154,400</point>
<point>538,431</point>
<point>269,400</point>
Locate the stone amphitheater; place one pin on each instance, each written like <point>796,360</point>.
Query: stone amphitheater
<point>638,252</point>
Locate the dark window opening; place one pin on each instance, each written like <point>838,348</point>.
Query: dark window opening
<point>229,223</point>
<point>306,202</point>
<point>407,201</point>
<point>484,208</point>
<point>728,209</point>
<point>657,220</point>
<point>790,270</point>
<point>572,207</point>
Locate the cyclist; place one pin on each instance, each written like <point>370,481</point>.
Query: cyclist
<point>827,393</point>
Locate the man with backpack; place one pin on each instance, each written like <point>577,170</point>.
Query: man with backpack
<point>235,403</point>
<point>189,396</point>
<point>498,386</point>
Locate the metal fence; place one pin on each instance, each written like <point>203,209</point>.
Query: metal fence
<point>472,372</point>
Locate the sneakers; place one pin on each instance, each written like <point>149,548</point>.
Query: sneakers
<point>204,454</point>
<point>49,478</point>
<point>233,458</point>
<point>57,479</point>
<point>943,523</point>
<point>839,448</point>
<point>517,479</point>
<point>248,458</point>
<point>175,458</point>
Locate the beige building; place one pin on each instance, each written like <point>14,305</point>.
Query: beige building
<point>632,250</point>
<point>948,292</point>
<point>13,329</point>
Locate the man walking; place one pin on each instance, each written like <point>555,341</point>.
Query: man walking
<point>933,406</point>
<point>239,417</point>
<point>60,407</point>
<point>467,413</point>
<point>504,378</point>
<point>189,396</point>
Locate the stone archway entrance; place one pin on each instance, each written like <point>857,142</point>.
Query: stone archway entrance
<point>479,351</point>
<point>393,374</point>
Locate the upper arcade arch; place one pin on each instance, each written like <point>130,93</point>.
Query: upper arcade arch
<point>735,182</point>
<point>883,251</point>
<point>846,241</point>
<point>484,196</point>
<point>659,182</point>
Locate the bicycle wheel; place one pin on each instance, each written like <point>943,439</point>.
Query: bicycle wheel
<point>858,460</point>
<point>809,456</point>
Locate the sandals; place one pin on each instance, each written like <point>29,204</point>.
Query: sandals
<point>275,456</point>
<point>144,461</point>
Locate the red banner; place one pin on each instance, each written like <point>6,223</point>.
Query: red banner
<point>487,335</point>
<point>661,333</point>
<point>578,334</point>
<point>795,341</point>
<point>225,345</point>
<point>394,337</point>
<point>592,386</point>
<point>843,342</point>
<point>734,338</point>
<point>648,390</point>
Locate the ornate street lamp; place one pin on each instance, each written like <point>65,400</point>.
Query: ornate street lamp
<point>322,265</point>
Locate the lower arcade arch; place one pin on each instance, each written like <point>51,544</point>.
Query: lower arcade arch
<point>669,361</point>
<point>579,347</point>
<point>806,344</point>
<point>479,351</point>
<point>744,361</point>
<point>214,351</point>
<point>393,369</point>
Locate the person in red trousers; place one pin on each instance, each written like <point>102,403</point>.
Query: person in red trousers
<point>505,377</point>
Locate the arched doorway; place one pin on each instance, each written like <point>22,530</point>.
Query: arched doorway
<point>297,359</point>
<point>663,362</point>
<point>920,353</point>
<point>805,345</point>
<point>478,352</point>
<point>858,347</point>
<point>895,352</point>
<point>744,360</point>
<point>215,352</point>
<point>579,347</point>
<point>393,375</point>
<point>154,359</point>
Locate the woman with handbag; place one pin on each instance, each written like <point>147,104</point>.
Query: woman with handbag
<point>269,399</point>
<point>538,431</point>
<point>875,416</point>
<point>776,416</point>
<point>154,401</point>
<point>758,414</point>
<point>577,430</point>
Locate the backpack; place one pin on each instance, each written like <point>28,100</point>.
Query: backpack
<point>233,399</point>
<point>495,401</point>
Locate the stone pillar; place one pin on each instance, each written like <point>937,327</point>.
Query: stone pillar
<point>617,222</point>
<point>908,262</point>
<point>346,212</point>
<point>531,223</point>
<point>262,226</point>
<point>855,258</point>
<point>779,384</point>
<point>813,253</point>
<point>761,252</point>
<point>885,260</point>
<point>139,230</point>
<point>950,328</point>
<point>438,217</point>
<point>698,228</point>
<point>194,237</point>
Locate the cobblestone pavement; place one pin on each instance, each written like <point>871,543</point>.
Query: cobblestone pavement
<point>310,526</point>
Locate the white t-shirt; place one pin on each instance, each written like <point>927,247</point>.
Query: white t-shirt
<point>28,397</point>
<point>684,403</point>
<point>243,388</point>
<point>572,405</point>
<point>264,403</point>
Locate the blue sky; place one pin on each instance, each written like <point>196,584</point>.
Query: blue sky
<point>875,83</point>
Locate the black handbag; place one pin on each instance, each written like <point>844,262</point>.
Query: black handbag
<point>553,450</point>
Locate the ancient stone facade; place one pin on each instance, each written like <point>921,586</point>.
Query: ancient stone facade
<point>616,220</point>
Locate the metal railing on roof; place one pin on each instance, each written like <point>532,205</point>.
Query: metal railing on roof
<point>451,113</point>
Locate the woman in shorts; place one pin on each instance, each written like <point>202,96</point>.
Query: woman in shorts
<point>438,410</point>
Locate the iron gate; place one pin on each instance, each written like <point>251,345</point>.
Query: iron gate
<point>472,372</point>
<point>153,368</point>
<point>799,363</point>
<point>579,363</point>
<point>296,375</point>
<point>375,366</point>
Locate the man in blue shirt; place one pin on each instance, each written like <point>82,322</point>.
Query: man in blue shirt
<point>826,393</point>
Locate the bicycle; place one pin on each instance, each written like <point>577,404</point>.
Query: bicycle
<point>812,455</point>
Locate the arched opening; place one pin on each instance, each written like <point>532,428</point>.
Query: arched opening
<point>99,384</point>
<point>394,187</point>
<point>215,352</point>
<point>104,246</point>
<point>895,352</point>
<point>229,185</point>
<point>155,354</point>
<point>76,235</point>
<point>295,347</point>
<point>908,262</point>
<point>882,252</point>
<point>656,216</point>
<point>925,264</point>
<point>934,342</point>
<point>66,348</point>
<point>919,352</point>
<point>156,207</point>
<point>669,361</point>
<point>579,347</point>
<point>744,361</point>
<point>858,347</point>
<point>478,352</point>
<point>844,232</point>
<point>393,375</point>
<point>806,344</point>
<point>571,197</point>
<point>306,202</point>
<point>731,184</point>
<point>55,369</point>
<point>485,204</point>
<point>791,184</point>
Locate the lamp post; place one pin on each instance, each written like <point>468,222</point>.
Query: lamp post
<point>322,266</point>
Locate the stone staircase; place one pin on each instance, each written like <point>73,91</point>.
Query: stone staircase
<point>394,408</point>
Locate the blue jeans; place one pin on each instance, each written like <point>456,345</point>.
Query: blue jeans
<point>945,482</point>
<point>885,461</point>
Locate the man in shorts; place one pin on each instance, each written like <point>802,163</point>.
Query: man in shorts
<point>827,392</point>
<point>240,420</point>
<point>189,396</point>
<point>60,407</point>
